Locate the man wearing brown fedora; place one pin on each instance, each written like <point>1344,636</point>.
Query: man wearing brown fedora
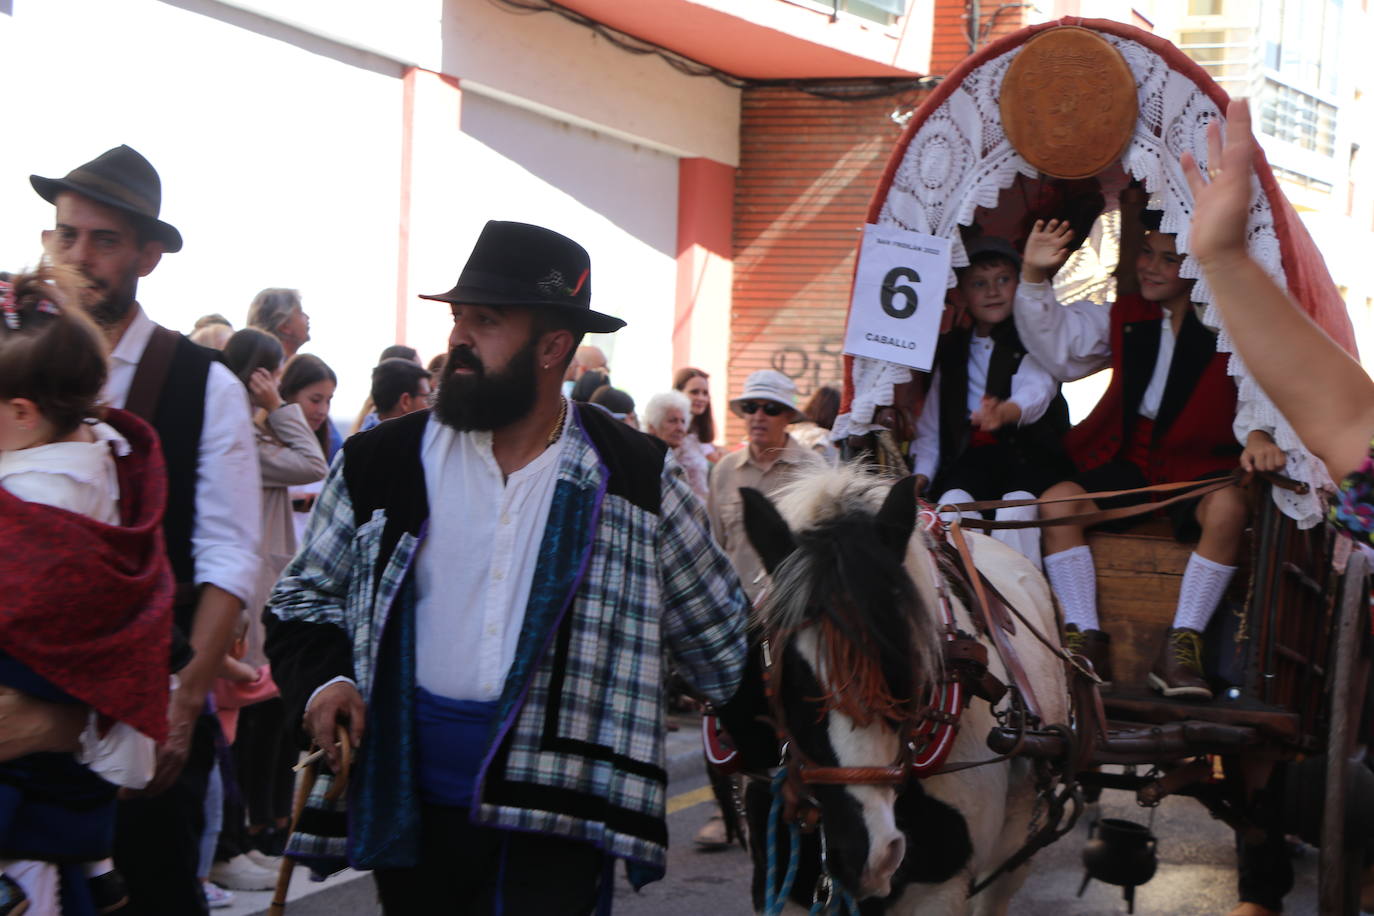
<point>107,227</point>
<point>483,599</point>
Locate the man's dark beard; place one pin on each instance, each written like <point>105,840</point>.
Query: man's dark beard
<point>111,310</point>
<point>484,400</point>
<point>113,306</point>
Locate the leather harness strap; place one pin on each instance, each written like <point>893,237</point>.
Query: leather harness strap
<point>151,374</point>
<point>998,632</point>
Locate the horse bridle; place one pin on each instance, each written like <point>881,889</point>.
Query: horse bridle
<point>965,675</point>
<point>799,805</point>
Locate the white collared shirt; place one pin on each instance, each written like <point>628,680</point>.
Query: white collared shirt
<point>1159,378</point>
<point>1074,340</point>
<point>77,476</point>
<point>228,524</point>
<point>476,564</point>
<point>1032,389</point>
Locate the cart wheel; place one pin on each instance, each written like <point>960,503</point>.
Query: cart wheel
<point>1338,873</point>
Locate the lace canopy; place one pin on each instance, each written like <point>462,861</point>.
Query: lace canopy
<point>957,159</point>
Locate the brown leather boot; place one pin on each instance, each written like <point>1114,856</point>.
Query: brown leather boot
<point>1178,669</point>
<point>1095,646</point>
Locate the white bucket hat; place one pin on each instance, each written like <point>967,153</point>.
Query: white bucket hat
<point>768,385</point>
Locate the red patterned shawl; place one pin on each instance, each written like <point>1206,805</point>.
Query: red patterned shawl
<point>88,606</point>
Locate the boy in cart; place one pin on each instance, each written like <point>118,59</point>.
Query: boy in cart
<point>993,419</point>
<point>1169,414</point>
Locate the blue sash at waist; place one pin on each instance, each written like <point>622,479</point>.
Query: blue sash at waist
<point>451,736</point>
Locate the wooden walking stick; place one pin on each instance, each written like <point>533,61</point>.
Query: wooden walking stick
<point>310,773</point>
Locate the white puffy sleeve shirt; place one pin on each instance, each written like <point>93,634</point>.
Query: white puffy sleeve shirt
<point>1069,341</point>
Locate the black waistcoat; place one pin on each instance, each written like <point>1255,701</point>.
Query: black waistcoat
<point>178,416</point>
<point>1042,436</point>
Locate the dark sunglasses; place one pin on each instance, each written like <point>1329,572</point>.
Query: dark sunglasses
<point>772,408</point>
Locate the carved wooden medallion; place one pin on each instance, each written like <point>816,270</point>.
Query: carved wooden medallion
<point>1069,103</point>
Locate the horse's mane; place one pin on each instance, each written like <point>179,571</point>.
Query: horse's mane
<point>878,640</point>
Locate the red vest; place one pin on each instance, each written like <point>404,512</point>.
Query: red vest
<point>1192,434</point>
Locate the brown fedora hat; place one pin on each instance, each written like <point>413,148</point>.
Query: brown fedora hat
<point>521,264</point>
<point>119,178</point>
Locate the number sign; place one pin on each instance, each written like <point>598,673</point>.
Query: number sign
<point>899,295</point>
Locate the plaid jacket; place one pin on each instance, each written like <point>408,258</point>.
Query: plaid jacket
<point>626,566</point>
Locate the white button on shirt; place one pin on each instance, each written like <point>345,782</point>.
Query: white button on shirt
<point>476,565</point>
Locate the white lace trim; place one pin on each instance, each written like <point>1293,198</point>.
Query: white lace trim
<point>960,159</point>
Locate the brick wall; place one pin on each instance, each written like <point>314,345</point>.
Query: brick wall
<point>808,169</point>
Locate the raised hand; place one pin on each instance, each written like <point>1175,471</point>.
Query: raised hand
<point>1047,248</point>
<point>1221,201</point>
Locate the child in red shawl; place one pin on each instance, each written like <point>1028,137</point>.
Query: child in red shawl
<point>85,612</point>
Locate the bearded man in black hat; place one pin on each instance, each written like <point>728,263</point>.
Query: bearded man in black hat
<point>482,600</point>
<point>108,228</point>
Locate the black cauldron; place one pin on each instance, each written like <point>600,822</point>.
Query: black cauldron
<point>1119,852</point>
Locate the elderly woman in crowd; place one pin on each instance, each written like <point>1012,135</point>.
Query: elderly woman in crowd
<point>278,311</point>
<point>666,417</point>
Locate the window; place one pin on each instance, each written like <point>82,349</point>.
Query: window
<point>1295,117</point>
<point>883,11</point>
<point>1204,7</point>
<point>1306,182</point>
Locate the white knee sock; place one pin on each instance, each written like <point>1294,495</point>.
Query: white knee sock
<point>1074,579</point>
<point>1204,582</point>
<point>1025,541</point>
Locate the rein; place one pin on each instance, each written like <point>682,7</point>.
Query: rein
<point>1184,490</point>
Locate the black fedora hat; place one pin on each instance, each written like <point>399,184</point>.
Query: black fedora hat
<point>520,264</point>
<point>119,178</point>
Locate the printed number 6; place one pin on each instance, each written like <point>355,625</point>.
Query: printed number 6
<point>892,288</point>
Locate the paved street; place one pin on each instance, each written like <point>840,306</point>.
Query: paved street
<point>1196,873</point>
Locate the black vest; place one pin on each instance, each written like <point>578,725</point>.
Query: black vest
<point>1041,438</point>
<point>382,470</point>
<point>178,417</point>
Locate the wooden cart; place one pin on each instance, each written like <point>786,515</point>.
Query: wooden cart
<point>1289,654</point>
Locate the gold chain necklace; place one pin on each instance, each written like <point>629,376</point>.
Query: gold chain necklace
<point>558,427</point>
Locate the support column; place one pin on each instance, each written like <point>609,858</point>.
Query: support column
<point>705,275</point>
<point>431,112</point>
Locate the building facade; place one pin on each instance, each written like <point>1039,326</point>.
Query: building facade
<point>1304,64</point>
<point>354,151</point>
<point>716,157</point>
